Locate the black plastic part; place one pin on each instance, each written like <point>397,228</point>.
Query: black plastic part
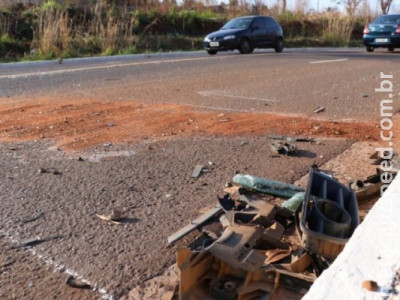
<point>329,214</point>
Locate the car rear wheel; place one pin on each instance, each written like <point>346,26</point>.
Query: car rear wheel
<point>244,47</point>
<point>211,52</point>
<point>370,49</point>
<point>279,45</point>
<point>391,49</point>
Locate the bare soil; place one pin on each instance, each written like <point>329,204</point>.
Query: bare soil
<point>79,124</point>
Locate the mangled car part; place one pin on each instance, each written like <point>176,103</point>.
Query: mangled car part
<point>253,257</point>
<point>367,189</point>
<point>194,224</point>
<point>206,277</point>
<point>262,250</point>
<point>275,188</point>
<point>329,215</point>
<point>294,202</point>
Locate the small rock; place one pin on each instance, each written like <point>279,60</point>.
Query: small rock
<point>370,285</point>
<point>42,171</point>
<point>365,96</point>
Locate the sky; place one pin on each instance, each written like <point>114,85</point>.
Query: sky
<point>322,5</point>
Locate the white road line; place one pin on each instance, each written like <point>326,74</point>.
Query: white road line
<point>60,267</point>
<point>155,62</point>
<point>222,94</point>
<point>328,61</point>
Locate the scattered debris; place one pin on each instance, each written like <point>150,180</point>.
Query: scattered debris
<point>291,139</point>
<point>293,203</point>
<point>193,225</point>
<point>115,217</point>
<point>36,241</point>
<point>50,170</point>
<point>319,109</point>
<point>197,171</point>
<point>283,148</point>
<point>261,250</point>
<point>370,285</point>
<point>275,188</point>
<point>367,189</point>
<point>33,219</point>
<point>72,282</point>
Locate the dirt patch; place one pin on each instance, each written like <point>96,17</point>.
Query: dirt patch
<point>79,124</point>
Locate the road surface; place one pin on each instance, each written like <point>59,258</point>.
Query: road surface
<point>296,81</point>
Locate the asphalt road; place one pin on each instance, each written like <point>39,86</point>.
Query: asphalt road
<point>296,81</point>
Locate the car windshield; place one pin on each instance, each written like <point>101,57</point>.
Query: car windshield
<point>388,19</point>
<point>238,23</point>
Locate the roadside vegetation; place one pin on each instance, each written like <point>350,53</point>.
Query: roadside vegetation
<point>61,29</point>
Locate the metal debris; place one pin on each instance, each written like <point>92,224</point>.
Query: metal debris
<point>319,109</point>
<point>194,224</point>
<point>283,148</point>
<point>291,139</point>
<point>114,217</point>
<point>263,185</point>
<point>197,171</point>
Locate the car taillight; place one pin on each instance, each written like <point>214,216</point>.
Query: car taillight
<point>366,29</point>
<point>398,29</point>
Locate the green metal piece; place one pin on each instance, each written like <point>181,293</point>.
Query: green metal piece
<point>263,185</point>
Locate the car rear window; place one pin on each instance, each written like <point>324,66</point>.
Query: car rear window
<point>238,23</point>
<point>387,19</point>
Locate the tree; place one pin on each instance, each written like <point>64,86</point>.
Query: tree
<point>385,5</point>
<point>351,8</point>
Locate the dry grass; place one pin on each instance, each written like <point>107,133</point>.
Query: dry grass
<point>338,28</point>
<point>53,34</point>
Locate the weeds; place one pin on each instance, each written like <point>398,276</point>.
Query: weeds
<point>57,29</point>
